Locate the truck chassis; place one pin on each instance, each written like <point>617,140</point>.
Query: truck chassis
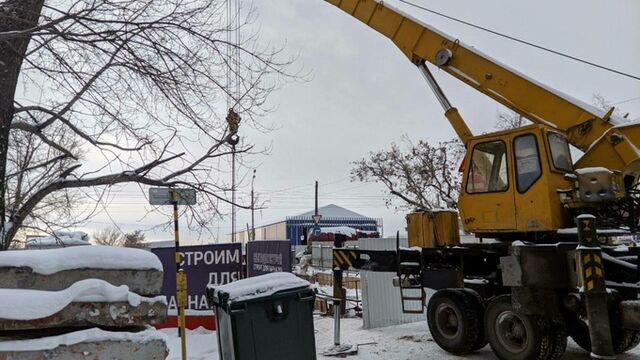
<point>523,299</point>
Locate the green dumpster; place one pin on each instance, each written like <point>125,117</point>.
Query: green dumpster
<point>265,317</point>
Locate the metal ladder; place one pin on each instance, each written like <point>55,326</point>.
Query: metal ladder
<point>410,286</point>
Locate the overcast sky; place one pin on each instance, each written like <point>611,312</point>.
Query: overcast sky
<point>362,94</point>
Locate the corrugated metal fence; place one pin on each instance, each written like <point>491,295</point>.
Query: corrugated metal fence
<point>381,304</point>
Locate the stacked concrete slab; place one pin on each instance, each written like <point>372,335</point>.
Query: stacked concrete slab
<point>89,302</point>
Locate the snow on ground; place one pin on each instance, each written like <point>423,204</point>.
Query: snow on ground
<point>402,342</point>
<point>202,344</point>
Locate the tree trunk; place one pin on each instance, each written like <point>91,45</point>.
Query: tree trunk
<point>15,16</point>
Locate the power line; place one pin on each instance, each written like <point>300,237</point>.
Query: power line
<point>521,41</point>
<point>625,101</point>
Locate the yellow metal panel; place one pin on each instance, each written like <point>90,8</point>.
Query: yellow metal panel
<point>429,44</point>
<point>365,10</point>
<point>447,230</point>
<point>407,36</point>
<point>615,150</point>
<point>386,24</point>
<point>347,5</point>
<point>539,208</point>
<point>427,229</point>
<point>414,230</point>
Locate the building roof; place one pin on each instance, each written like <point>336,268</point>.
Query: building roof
<point>333,211</point>
<point>329,213</point>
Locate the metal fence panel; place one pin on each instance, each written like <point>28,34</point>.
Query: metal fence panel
<point>322,253</point>
<point>381,304</point>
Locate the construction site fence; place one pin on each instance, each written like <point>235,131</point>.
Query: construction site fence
<point>322,254</point>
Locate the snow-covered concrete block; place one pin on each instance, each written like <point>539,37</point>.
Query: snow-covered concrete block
<point>90,302</point>
<point>58,269</point>
<point>94,344</point>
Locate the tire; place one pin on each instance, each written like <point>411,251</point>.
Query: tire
<point>623,339</point>
<point>476,299</point>
<point>559,341</point>
<point>635,341</point>
<point>454,321</point>
<point>516,336</point>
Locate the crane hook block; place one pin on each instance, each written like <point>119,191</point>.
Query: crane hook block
<point>233,120</point>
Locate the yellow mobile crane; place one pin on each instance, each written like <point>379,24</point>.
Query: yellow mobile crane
<point>545,277</point>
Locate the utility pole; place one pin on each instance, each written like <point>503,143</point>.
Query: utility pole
<point>176,197</point>
<point>253,208</point>
<point>316,219</point>
<point>181,279</point>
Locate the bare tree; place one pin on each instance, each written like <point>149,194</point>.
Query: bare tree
<point>425,176</point>
<point>127,91</point>
<point>510,120</point>
<point>109,237</point>
<point>113,236</point>
<point>604,104</point>
<point>134,239</point>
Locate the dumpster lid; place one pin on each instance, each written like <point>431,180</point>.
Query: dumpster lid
<point>256,287</point>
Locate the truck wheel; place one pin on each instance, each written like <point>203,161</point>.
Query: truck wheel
<point>454,321</point>
<point>516,336</point>
<point>476,299</point>
<point>634,340</point>
<point>623,339</point>
<point>559,341</point>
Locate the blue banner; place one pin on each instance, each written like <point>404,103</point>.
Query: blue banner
<point>215,264</point>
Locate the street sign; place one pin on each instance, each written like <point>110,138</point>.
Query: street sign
<point>162,196</point>
<point>316,218</point>
<point>317,231</point>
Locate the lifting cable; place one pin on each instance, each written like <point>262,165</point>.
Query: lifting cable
<point>635,77</point>
<point>233,95</point>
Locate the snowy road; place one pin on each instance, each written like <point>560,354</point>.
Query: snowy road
<point>410,342</point>
<point>403,342</point>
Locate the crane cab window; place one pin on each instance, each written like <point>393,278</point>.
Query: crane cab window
<point>560,153</point>
<point>488,171</point>
<point>528,168</point>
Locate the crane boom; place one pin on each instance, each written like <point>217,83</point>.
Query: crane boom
<point>583,124</point>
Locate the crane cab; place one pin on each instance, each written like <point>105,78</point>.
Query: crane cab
<point>511,180</point>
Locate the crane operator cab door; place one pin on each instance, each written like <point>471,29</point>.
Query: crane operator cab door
<point>486,202</point>
<point>510,182</point>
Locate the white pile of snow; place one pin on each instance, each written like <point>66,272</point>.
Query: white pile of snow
<point>90,335</point>
<point>344,230</point>
<point>259,286</point>
<point>47,262</point>
<point>592,170</point>
<point>574,230</point>
<point>201,344</point>
<point>19,304</point>
<point>61,239</point>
